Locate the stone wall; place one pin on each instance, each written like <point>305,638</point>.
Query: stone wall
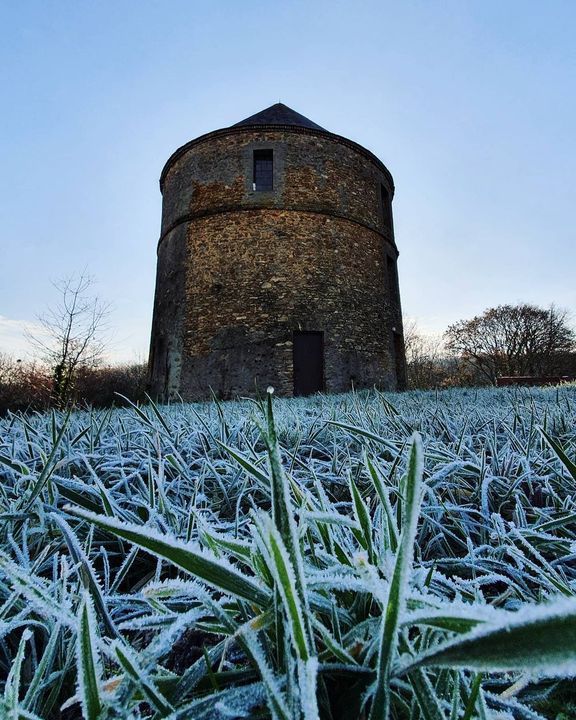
<point>311,172</point>
<point>240,270</point>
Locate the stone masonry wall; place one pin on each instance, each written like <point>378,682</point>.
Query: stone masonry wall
<point>240,270</point>
<point>310,173</point>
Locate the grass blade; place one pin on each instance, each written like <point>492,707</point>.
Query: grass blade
<point>398,585</point>
<point>212,570</point>
<point>48,469</point>
<point>541,639</point>
<point>278,562</point>
<point>44,668</point>
<point>560,454</point>
<point>87,573</point>
<point>12,687</point>
<point>87,659</point>
<point>129,663</point>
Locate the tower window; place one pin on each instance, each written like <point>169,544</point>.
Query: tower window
<point>392,277</point>
<point>386,207</point>
<point>263,170</point>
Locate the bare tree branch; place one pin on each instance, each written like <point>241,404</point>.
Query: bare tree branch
<point>71,334</point>
<point>513,340</point>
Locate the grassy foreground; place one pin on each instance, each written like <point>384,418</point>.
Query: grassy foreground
<point>357,556</point>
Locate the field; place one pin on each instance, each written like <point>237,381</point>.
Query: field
<point>357,556</point>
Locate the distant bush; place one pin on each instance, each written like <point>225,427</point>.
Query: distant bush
<point>23,385</point>
<point>99,387</point>
<point>29,385</point>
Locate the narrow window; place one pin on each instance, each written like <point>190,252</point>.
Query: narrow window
<point>386,207</point>
<point>392,277</point>
<point>263,170</point>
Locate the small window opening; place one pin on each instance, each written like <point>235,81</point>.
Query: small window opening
<point>386,207</point>
<point>392,276</point>
<point>263,170</point>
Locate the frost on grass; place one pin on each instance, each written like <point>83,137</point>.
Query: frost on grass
<point>133,566</point>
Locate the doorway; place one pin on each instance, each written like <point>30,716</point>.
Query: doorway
<point>308,348</point>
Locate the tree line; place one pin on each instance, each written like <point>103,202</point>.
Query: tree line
<point>508,342</point>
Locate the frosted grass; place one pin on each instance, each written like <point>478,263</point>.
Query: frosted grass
<point>281,559</point>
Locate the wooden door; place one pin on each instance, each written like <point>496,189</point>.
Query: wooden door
<point>308,347</point>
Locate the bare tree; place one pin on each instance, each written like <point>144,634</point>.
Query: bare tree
<point>425,357</point>
<point>71,333</point>
<point>513,340</point>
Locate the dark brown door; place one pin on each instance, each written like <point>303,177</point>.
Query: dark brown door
<point>308,362</point>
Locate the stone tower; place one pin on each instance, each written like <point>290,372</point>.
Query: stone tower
<point>276,265</point>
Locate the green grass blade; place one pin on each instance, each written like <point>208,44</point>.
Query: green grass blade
<point>560,454</point>
<point>73,496</point>
<point>37,591</point>
<point>363,517</point>
<point>427,699</point>
<point>238,702</point>
<point>12,687</point>
<point>14,465</point>
<point>474,692</point>
<point>87,659</point>
<point>398,585</point>
<point>48,468</point>
<point>355,430</point>
<point>261,477</point>
<point>282,510</point>
<point>274,695</point>
<point>276,556</point>
<point>87,573</point>
<point>541,639</point>
<point>44,668</point>
<point>212,570</point>
<point>159,415</point>
<point>384,496</point>
<point>128,661</point>
<point>333,646</point>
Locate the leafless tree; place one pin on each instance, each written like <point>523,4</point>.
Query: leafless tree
<point>513,340</point>
<point>424,357</point>
<point>71,333</point>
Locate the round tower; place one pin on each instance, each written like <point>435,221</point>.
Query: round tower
<point>276,265</point>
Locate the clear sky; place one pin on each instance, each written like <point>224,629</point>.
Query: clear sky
<point>470,104</point>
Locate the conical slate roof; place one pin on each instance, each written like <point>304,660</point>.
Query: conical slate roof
<point>279,114</point>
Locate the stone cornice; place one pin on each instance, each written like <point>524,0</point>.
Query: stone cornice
<point>190,217</point>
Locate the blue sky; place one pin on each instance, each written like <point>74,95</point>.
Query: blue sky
<point>471,105</point>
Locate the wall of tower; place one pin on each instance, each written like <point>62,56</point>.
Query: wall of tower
<point>240,270</point>
<point>311,172</point>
